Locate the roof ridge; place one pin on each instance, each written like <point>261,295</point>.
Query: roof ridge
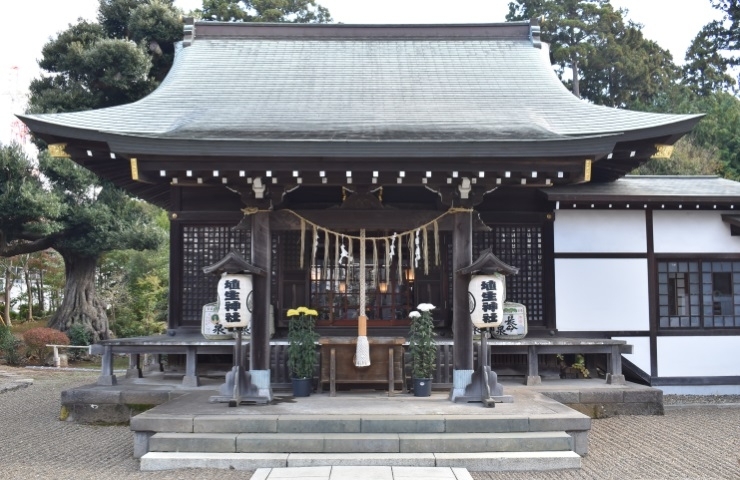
<point>341,31</point>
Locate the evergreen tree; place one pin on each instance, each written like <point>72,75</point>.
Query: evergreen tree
<point>628,70</point>
<point>706,68</point>
<point>599,56</point>
<point>571,27</point>
<point>118,60</point>
<point>293,11</point>
<point>61,205</point>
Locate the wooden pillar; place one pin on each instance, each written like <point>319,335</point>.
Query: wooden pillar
<point>462,256</point>
<point>174,311</point>
<point>259,352</point>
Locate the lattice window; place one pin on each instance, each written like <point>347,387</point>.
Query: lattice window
<point>521,247</point>
<point>698,294</point>
<point>204,245</point>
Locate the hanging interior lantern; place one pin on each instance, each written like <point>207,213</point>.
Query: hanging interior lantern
<point>486,295</point>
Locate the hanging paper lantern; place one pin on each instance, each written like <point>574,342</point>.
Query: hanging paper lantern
<point>235,301</point>
<point>486,294</point>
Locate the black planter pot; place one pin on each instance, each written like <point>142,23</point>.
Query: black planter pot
<point>302,387</point>
<point>422,387</point>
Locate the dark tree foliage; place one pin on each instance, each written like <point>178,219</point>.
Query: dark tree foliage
<point>729,31</point>
<point>599,56</point>
<point>572,28</point>
<point>706,68</point>
<point>118,60</point>
<point>60,205</point>
<point>27,212</point>
<point>627,70</point>
<point>293,11</point>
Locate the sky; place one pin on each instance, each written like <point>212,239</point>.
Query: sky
<point>28,25</point>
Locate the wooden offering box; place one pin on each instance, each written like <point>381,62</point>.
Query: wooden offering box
<point>338,366</point>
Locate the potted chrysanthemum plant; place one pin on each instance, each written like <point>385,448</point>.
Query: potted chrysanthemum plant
<point>423,349</point>
<point>302,353</point>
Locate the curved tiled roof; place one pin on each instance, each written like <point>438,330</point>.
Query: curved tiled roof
<point>329,85</point>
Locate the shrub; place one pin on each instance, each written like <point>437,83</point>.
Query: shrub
<point>36,340</point>
<point>10,347</point>
<point>79,335</point>
<point>23,312</point>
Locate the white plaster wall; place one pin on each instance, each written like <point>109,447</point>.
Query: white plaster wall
<point>604,231</point>
<point>679,231</point>
<point>601,294</point>
<point>640,355</point>
<point>698,356</point>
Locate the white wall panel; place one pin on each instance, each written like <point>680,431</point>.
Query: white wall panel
<point>605,231</point>
<point>640,355</point>
<point>679,231</point>
<point>601,294</point>
<point>698,356</point>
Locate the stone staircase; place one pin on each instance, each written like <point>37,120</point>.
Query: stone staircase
<point>478,442</point>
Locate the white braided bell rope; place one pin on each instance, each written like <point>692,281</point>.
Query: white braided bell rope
<point>362,354</point>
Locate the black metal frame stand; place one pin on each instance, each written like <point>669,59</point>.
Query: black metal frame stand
<point>238,387</point>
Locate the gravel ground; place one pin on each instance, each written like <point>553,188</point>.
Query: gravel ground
<point>691,442</point>
<point>700,399</point>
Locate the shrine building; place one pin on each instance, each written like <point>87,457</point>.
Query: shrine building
<point>288,142</point>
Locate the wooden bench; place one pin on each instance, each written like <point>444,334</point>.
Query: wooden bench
<point>189,344</point>
<point>534,346</point>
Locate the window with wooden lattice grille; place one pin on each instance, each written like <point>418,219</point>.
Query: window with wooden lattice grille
<point>521,247</point>
<point>204,245</point>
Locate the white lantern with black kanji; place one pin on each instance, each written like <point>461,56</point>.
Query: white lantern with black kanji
<point>235,301</point>
<point>486,295</point>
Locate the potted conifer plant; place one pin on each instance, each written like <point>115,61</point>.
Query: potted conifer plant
<point>423,349</point>
<point>302,354</point>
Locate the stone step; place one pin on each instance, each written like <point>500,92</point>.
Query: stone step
<point>474,462</point>
<point>236,423</point>
<point>360,442</point>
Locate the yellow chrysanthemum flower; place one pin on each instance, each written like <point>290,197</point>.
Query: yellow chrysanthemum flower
<point>302,310</point>
<point>293,312</point>
<point>313,313</point>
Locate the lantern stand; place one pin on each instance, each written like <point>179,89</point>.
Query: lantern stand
<point>484,386</point>
<point>239,386</point>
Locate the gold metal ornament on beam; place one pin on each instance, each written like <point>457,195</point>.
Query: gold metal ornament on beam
<point>58,150</point>
<point>587,171</point>
<point>663,152</point>
<point>134,169</point>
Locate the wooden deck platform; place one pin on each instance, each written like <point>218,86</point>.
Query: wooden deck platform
<point>193,344</point>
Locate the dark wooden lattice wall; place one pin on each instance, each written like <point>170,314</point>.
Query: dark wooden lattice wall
<point>519,246</point>
<point>203,245</point>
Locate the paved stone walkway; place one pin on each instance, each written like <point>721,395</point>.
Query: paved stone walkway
<point>700,441</point>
